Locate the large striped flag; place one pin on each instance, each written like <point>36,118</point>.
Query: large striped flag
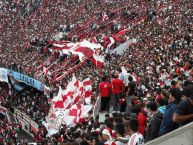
<point>87,90</point>
<point>58,100</point>
<point>76,91</point>
<point>76,111</point>
<point>72,103</point>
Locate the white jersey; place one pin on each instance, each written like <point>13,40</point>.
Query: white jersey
<point>136,139</point>
<point>119,143</point>
<point>108,143</point>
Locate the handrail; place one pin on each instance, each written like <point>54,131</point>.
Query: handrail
<point>180,136</point>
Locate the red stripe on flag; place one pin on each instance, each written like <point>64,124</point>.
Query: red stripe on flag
<point>73,112</point>
<point>88,94</point>
<point>122,32</point>
<point>76,99</point>
<point>87,83</point>
<point>85,50</point>
<point>98,63</point>
<point>59,104</point>
<point>76,84</point>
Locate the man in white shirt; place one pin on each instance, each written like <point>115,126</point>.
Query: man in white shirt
<point>136,137</point>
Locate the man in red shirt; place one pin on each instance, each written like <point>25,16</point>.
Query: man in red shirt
<point>117,88</point>
<point>105,90</point>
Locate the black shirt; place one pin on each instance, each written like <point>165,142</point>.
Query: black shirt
<point>131,86</point>
<point>184,108</point>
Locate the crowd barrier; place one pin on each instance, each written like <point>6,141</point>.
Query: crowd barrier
<point>180,136</point>
<point>97,107</point>
<point>28,125</point>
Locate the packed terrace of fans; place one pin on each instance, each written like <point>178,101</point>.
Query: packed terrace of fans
<point>163,51</point>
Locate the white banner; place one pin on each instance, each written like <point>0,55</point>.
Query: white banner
<point>57,117</point>
<point>97,107</point>
<point>3,110</point>
<point>3,75</point>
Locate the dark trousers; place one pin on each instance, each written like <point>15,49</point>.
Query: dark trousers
<point>105,103</point>
<point>116,105</point>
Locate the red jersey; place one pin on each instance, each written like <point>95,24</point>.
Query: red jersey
<point>105,89</point>
<point>117,86</point>
<point>142,119</point>
<point>178,71</point>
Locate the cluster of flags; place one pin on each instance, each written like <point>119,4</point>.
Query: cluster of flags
<point>84,49</point>
<point>70,105</point>
<point>87,49</point>
<point>75,92</point>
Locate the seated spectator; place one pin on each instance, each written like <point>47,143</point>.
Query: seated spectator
<point>173,84</point>
<point>141,117</point>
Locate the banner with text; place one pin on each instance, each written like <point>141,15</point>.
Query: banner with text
<point>27,80</point>
<point>3,75</point>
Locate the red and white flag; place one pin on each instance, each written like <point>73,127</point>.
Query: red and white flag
<point>76,111</point>
<point>98,60</point>
<point>87,90</point>
<point>58,100</point>
<point>75,92</point>
<point>105,17</point>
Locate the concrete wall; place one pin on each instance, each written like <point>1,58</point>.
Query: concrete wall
<point>180,136</point>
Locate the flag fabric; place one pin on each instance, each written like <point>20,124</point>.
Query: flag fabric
<point>98,60</point>
<point>58,100</point>
<point>88,90</point>
<point>70,103</point>
<point>94,40</point>
<point>121,33</point>
<point>84,48</point>
<point>76,111</point>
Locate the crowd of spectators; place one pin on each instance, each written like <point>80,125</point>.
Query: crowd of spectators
<point>162,53</point>
<point>21,29</point>
<point>29,101</point>
<point>9,132</point>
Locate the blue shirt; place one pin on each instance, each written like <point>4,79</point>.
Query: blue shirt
<point>162,109</point>
<point>167,124</point>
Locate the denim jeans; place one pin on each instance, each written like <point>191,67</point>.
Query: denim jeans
<point>116,105</point>
<point>128,101</point>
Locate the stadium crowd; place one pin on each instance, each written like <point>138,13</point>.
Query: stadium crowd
<point>145,105</point>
